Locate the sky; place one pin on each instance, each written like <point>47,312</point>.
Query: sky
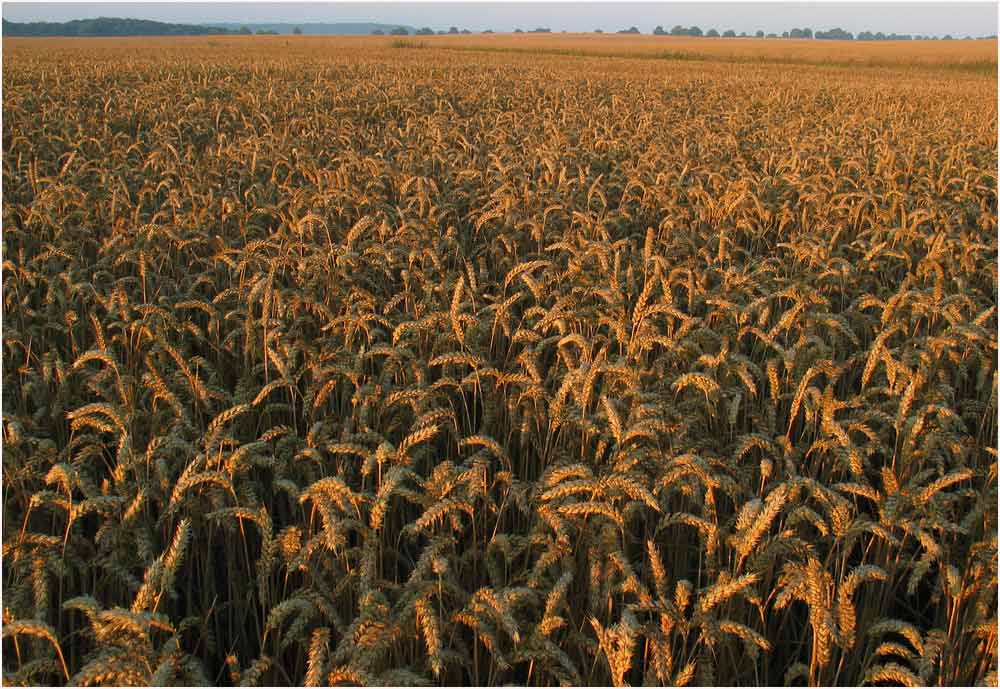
<point>926,18</point>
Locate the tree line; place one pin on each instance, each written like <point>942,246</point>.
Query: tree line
<point>108,26</point>
<point>425,31</point>
<point>836,34</point>
<point>115,26</point>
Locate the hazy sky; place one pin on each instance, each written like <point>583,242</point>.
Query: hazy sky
<point>934,18</point>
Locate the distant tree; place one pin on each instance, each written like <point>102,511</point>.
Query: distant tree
<point>378,32</point>
<point>598,30</point>
<point>453,29</point>
<point>784,34</point>
<point>711,33</point>
<point>795,33</point>
<point>834,35</point>
<point>540,29</point>
<point>729,33</point>
<point>245,30</point>
<point>399,31</point>
<point>658,31</point>
<point>425,31</point>
<point>266,32</point>
<point>807,32</point>
<point>694,31</point>
<point>631,29</point>
<point>947,37</point>
<point>297,31</point>
<point>518,31</point>
<point>772,35</point>
<point>759,34</point>
<point>466,31</point>
<point>488,31</point>
<point>743,34</point>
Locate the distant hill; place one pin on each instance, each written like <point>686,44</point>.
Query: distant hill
<point>314,28</point>
<point>108,26</point>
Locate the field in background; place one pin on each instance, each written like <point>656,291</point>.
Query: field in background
<point>955,54</point>
<point>977,56</point>
<point>327,361</point>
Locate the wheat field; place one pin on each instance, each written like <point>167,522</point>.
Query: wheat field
<point>362,361</point>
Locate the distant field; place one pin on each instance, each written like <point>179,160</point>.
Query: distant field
<point>977,56</point>
<point>499,360</point>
